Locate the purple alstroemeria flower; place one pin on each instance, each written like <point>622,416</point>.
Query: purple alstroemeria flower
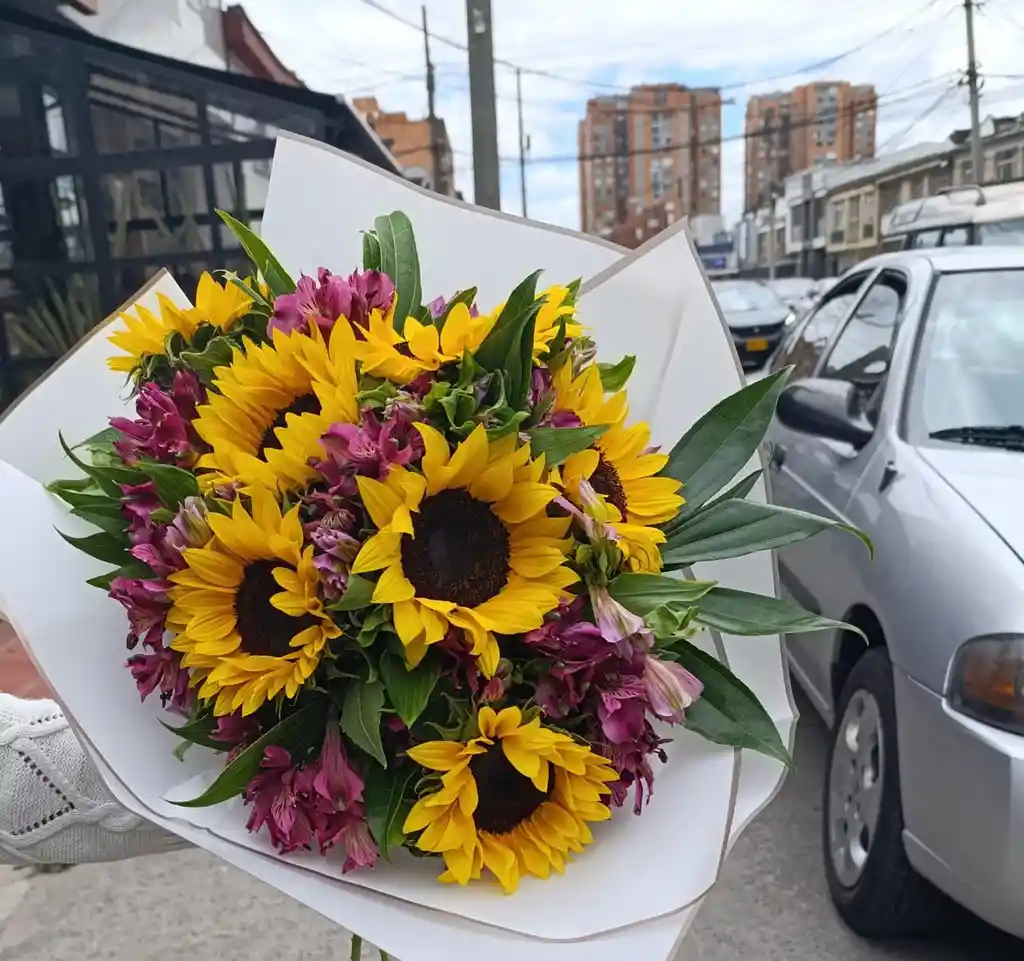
<point>671,689</point>
<point>330,296</point>
<point>147,605</point>
<point>163,429</point>
<point>161,669</point>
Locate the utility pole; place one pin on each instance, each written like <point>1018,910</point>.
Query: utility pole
<point>771,205</point>
<point>486,173</point>
<point>977,156</point>
<point>522,138</point>
<point>435,144</point>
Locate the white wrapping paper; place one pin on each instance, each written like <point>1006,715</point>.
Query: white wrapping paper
<point>634,892</point>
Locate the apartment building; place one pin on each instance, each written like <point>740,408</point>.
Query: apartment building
<point>658,146</point>
<point>810,125</point>
<point>411,141</point>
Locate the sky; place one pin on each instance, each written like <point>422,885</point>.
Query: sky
<point>913,51</point>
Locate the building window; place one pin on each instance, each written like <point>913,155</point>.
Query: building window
<point>660,97</point>
<point>1006,164</point>
<point>966,172</point>
<point>661,130</point>
<point>661,177</point>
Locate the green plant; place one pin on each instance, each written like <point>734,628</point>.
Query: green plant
<point>56,322</point>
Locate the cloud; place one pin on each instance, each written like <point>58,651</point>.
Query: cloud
<point>744,46</point>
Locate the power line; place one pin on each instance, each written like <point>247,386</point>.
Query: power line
<point>927,112</point>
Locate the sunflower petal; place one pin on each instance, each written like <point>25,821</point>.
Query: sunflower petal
<point>524,501</point>
<point>393,586</point>
<point>380,551</point>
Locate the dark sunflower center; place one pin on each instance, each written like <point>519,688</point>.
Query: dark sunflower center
<point>459,550</point>
<point>605,480</point>
<point>506,797</point>
<point>306,404</point>
<point>263,628</point>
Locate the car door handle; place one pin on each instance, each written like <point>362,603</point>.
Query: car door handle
<point>778,455</point>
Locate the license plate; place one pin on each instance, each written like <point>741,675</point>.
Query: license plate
<point>757,343</point>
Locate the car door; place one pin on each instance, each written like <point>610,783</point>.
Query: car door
<point>819,475</point>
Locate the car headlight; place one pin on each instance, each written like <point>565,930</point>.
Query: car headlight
<point>790,319</point>
<point>986,681</point>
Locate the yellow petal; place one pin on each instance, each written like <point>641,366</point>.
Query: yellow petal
<point>524,761</point>
<point>437,755</point>
<point>380,551</point>
<point>460,864</point>
<point>393,586</point>
<point>214,567</point>
<point>524,501</point>
<point>500,860</point>
<point>380,501</point>
<point>422,815</point>
<point>435,457</point>
<point>408,622</point>
<point>469,459</point>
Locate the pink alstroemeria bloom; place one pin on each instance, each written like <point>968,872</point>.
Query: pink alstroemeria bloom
<point>162,669</point>
<point>331,296</point>
<point>163,429</point>
<point>147,605</point>
<point>615,622</point>
<point>671,689</point>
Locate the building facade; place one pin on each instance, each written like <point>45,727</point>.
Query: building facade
<point>810,125</point>
<point>413,144</point>
<point>113,163</point>
<point>657,146</point>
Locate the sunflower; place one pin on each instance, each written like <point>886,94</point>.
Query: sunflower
<point>421,347</point>
<point>516,800</point>
<point>467,544</point>
<point>274,403</point>
<point>145,333</point>
<point>554,309</point>
<point>246,607</point>
<point>618,468</point>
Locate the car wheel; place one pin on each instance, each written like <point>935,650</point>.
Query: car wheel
<point>873,886</point>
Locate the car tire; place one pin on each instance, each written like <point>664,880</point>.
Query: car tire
<point>875,890</point>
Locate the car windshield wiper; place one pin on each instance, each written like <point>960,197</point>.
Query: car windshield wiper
<point>1007,436</point>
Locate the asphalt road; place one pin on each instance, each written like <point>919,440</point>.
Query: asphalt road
<point>770,904</point>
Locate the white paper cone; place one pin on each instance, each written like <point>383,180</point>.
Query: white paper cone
<point>631,894</point>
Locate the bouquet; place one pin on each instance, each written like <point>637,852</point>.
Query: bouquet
<point>412,570</point>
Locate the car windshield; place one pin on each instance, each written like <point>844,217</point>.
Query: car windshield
<point>969,377</point>
<point>734,297</point>
<point>1005,232</point>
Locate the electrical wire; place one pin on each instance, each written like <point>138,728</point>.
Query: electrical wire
<point>927,112</point>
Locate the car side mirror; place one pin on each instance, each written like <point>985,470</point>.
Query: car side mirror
<point>825,408</point>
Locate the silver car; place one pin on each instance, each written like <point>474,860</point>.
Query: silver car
<point>904,417</point>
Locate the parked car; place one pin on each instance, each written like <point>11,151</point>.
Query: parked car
<point>796,292</point>
<point>755,316</point>
<point>957,216</point>
<point>904,416</point>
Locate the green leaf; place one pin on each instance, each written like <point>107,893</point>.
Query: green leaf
<point>519,365</point>
<point>557,443</point>
<point>133,569</point>
<point>172,484</point>
<point>728,712</point>
<point>401,262</point>
<point>259,253</point>
<point>297,730</point>
<point>614,376</point>
<point>409,690</point>
<point>520,307</point>
<point>358,594</point>
<point>256,296</point>
<point>115,524</point>
<point>108,479</point>
<point>360,718</point>
<point>733,528</point>
<point>103,440</point>
<point>377,621</point>
<point>90,500</point>
<point>198,732</point>
<point>386,802</point>
<point>711,452</point>
<point>467,297</point>
<point>103,546</point>
<point>79,485</point>
<point>739,612</point>
<point>667,621</point>
<point>371,251</point>
<point>204,363</point>
<point>643,593</point>
<point>573,292</point>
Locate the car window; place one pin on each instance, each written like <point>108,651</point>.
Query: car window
<point>861,352</point>
<point>809,339</point>
<point>956,237</point>
<point>926,238</point>
<point>1005,232</point>
<point>748,297</point>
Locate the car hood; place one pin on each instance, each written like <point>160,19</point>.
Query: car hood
<point>741,319</point>
<point>990,481</point>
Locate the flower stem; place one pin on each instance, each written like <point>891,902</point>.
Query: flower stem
<point>357,948</point>
<point>383,955</point>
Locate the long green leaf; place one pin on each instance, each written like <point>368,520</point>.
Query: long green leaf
<point>739,612</point>
<point>371,251</point>
<point>557,443</point>
<point>103,546</point>
<point>716,448</point>
<point>387,806</point>
<point>358,594</point>
<point>728,712</point>
<point>297,730</point>
<point>360,717</point>
<point>643,593</point>
<point>259,253</point>
<point>408,690</point>
<point>508,329</point>
<point>615,376</point>
<point>198,732</point>
<point>133,569</point>
<point>108,479</point>
<point>733,528</point>
<point>519,365</point>
<point>114,525</point>
<point>401,262</point>
<point>172,484</point>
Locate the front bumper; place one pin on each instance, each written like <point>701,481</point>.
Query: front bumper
<point>756,344</point>
<point>963,804</point>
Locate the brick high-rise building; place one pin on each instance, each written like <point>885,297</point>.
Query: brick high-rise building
<point>658,145</point>
<point>410,143</point>
<point>816,123</point>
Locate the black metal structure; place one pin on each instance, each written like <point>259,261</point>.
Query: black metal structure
<point>112,163</point>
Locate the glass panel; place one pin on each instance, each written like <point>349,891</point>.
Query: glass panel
<point>237,117</point>
<point>47,317</point>
<point>33,122</point>
<point>140,113</point>
<point>44,221</point>
<point>152,212</point>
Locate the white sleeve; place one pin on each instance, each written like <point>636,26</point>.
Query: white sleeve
<point>54,807</point>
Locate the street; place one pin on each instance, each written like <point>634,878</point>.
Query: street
<point>770,905</point>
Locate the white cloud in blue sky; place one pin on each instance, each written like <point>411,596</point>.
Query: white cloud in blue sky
<point>347,47</point>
